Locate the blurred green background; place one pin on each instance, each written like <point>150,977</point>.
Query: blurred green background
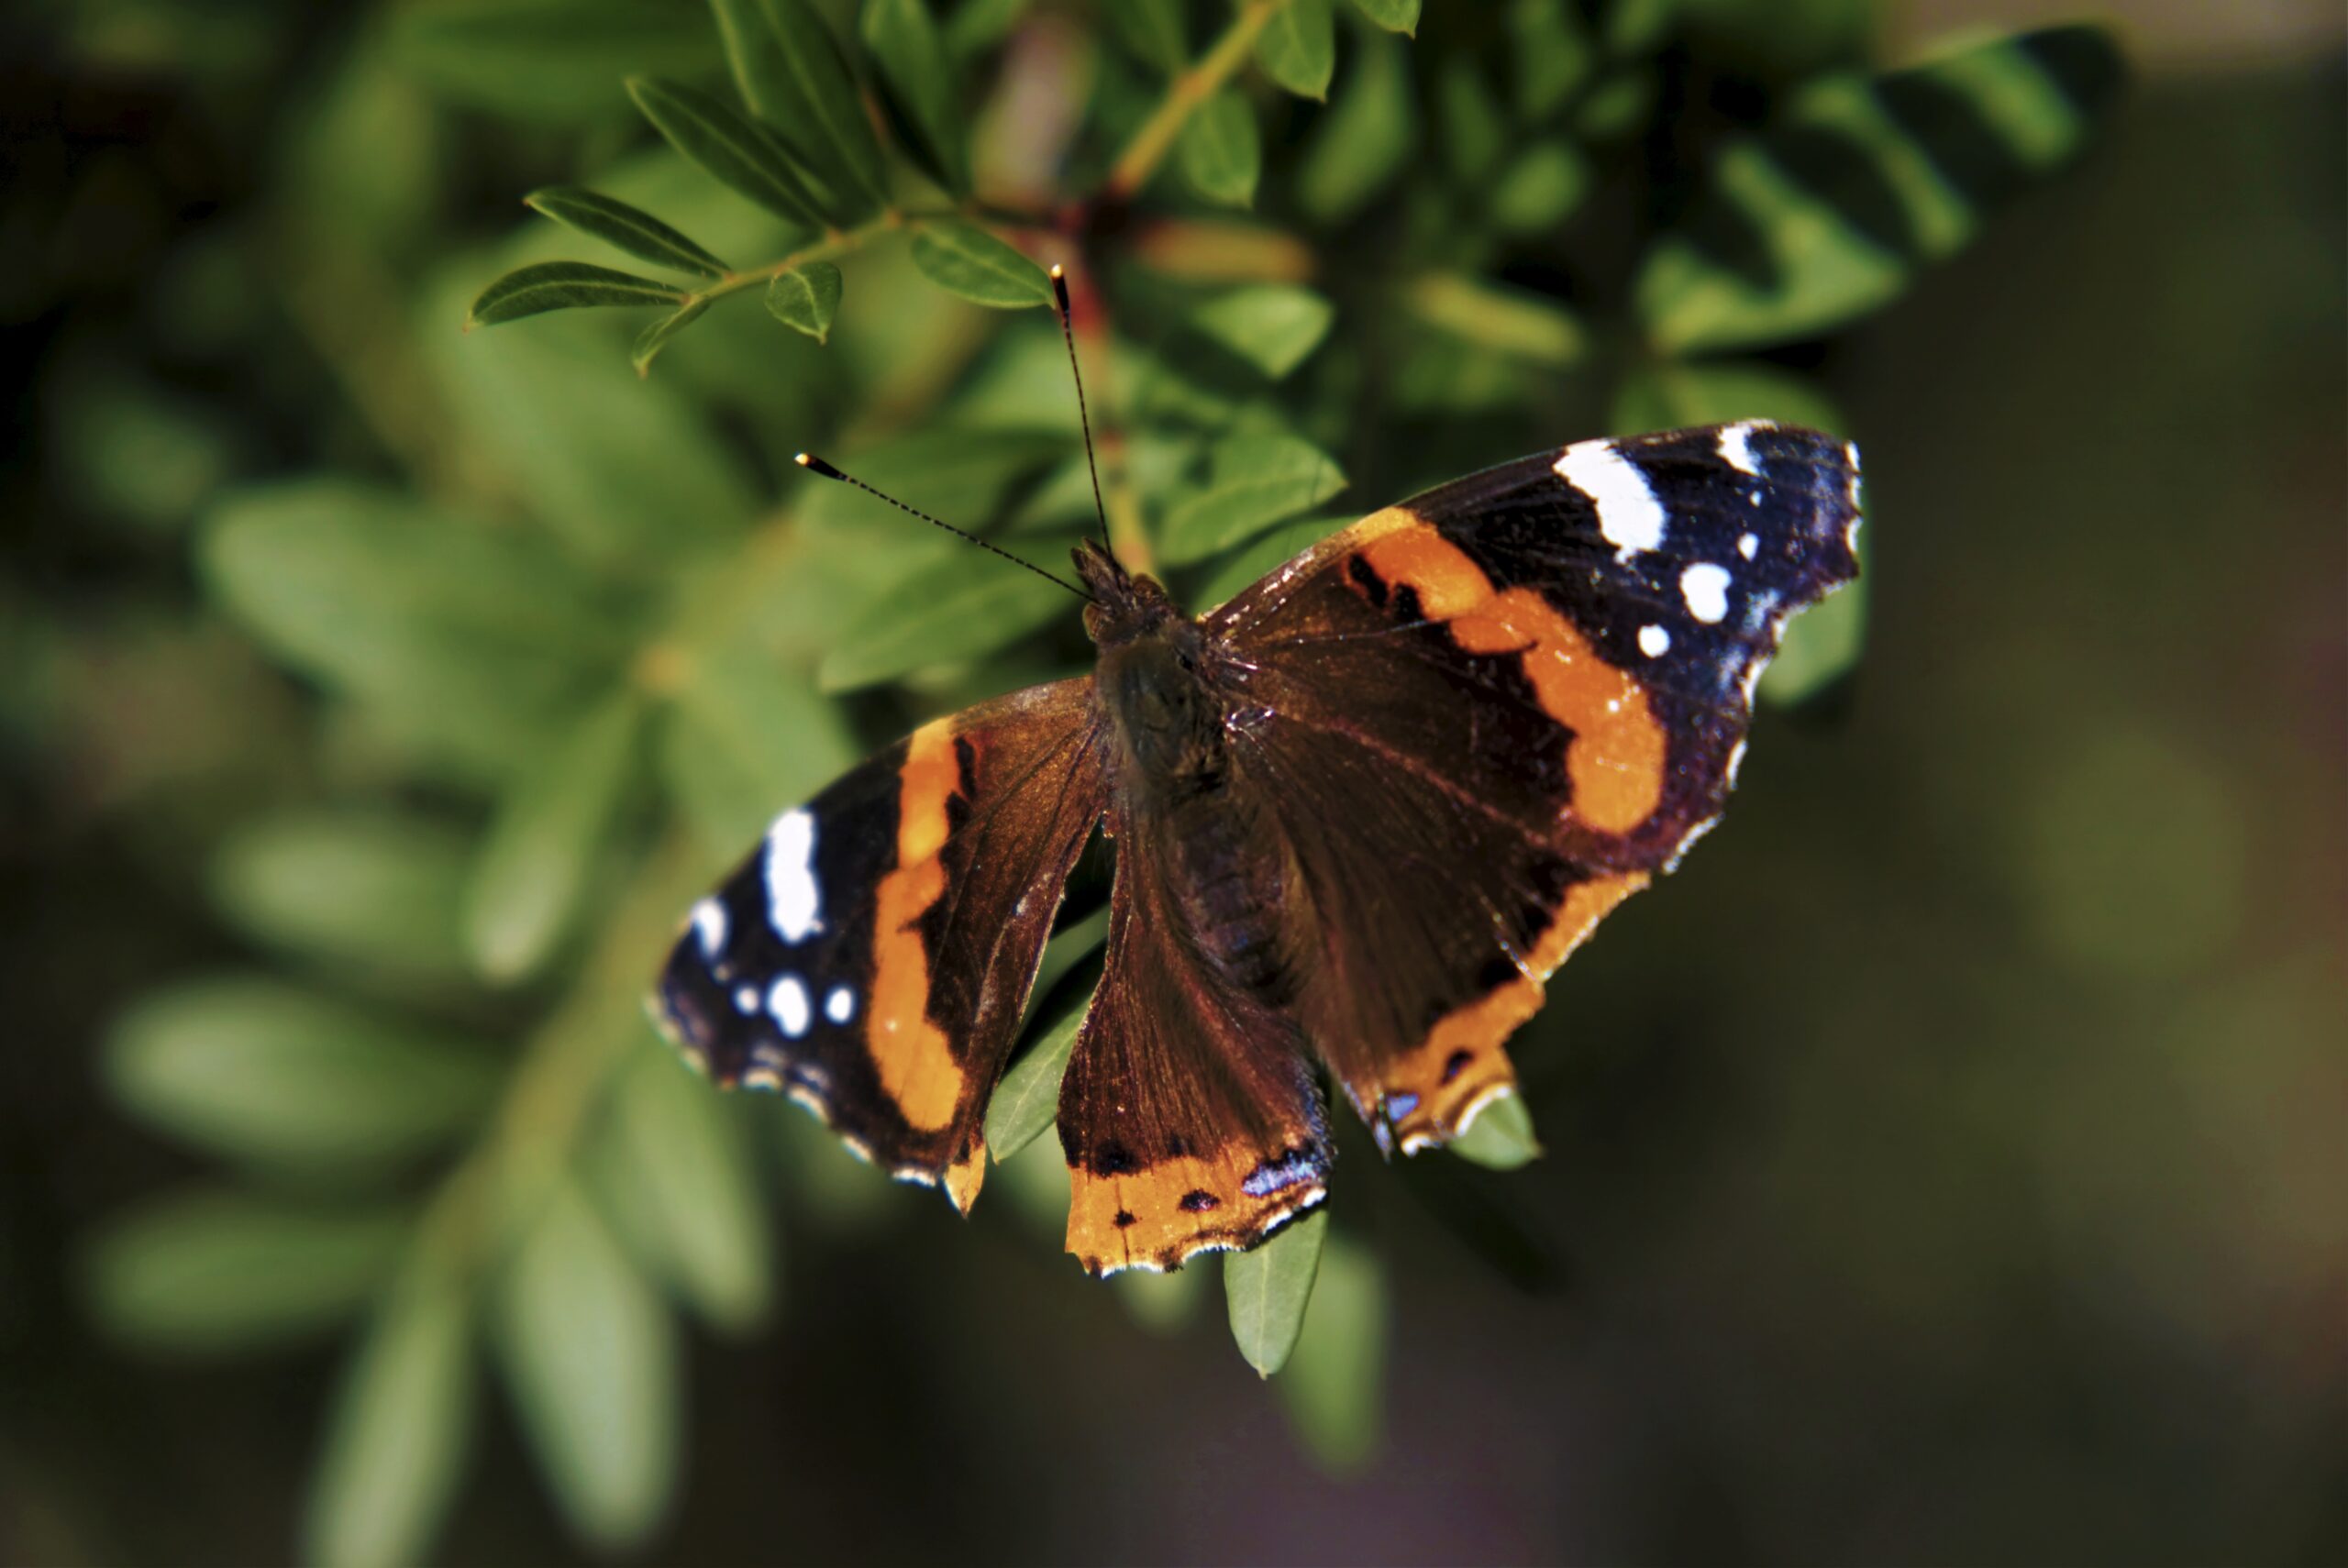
<point>1945,1166</point>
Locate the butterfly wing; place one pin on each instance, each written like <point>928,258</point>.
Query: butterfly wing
<point>1488,714</point>
<point>872,957</point>
<point>1187,1113</point>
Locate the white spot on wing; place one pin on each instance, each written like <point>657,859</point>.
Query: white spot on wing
<point>1653,641</point>
<point>839,1004</point>
<point>1629,517</point>
<point>1736,448</point>
<point>709,925</point>
<point>1705,587</point>
<point>746,999</point>
<point>1748,546</point>
<point>788,1002</point>
<point>795,904</point>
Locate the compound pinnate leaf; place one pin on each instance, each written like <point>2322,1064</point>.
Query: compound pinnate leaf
<point>1273,326</point>
<point>628,228</point>
<point>374,890</point>
<point>1825,215</point>
<point>534,867</point>
<point>291,1078</point>
<point>1028,1100</point>
<point>1394,16</point>
<point>590,1353</point>
<point>1298,48</point>
<point>396,1439</point>
<point>956,610</point>
<point>967,262</point>
<point>792,73</point>
<point>655,337</point>
<point>805,298</point>
<point>225,1271</point>
<point>1500,1138</point>
<point>1253,482</point>
<point>565,285</point>
<point>1332,1386</point>
<point>904,41</point>
<point>1220,152</point>
<point>716,138</point>
<point>1267,1289</point>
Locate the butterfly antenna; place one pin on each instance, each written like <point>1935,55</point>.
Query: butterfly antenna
<point>817,465</point>
<point>1067,333</point>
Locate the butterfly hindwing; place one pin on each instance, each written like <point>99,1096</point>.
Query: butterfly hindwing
<point>1488,714</point>
<point>871,956</point>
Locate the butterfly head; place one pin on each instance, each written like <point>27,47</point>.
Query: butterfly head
<point>1125,605</point>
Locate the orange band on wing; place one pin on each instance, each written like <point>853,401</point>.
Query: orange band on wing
<point>1154,1216</point>
<point>914,1058</point>
<point>1617,758</point>
<point>1434,1091</point>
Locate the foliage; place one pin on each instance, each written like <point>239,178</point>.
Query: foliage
<point>582,633</point>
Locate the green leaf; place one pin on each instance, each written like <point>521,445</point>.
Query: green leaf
<point>1475,132</point>
<point>1618,107</point>
<point>1267,1289</point>
<point>1273,326</point>
<point>553,62</point>
<point>978,25</point>
<point>792,73</point>
<point>1153,30</point>
<point>903,41</point>
<point>625,228</point>
<point>1220,149</point>
<point>714,137</point>
<point>1550,55</point>
<point>375,891</point>
<point>1540,188</point>
<point>804,298</point>
<point>1635,27</point>
<point>1824,217</point>
<point>1257,559</point>
<point>967,262</point>
<point>221,1272</point>
<point>1253,482</point>
<point>1501,1137</point>
<point>534,869</point>
<point>1298,48</point>
<point>960,608</point>
<point>590,1353</point>
<point>1499,319</point>
<point>1028,1100</point>
<point>1367,137</point>
<point>267,1072</point>
<point>683,1189</point>
<point>565,285</point>
<point>747,738</point>
<point>655,337</point>
<point>396,1440</point>
<point>1394,16</point>
<point>1333,1387</point>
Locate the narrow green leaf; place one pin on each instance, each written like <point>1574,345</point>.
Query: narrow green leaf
<point>534,867</point>
<point>628,228</point>
<point>1298,48</point>
<point>1334,1386</point>
<point>1475,131</point>
<point>551,61</point>
<point>1153,32</point>
<point>1618,107</point>
<point>903,41</point>
<point>565,285</point>
<point>1160,1304</point>
<point>1220,151</point>
<point>1394,16</point>
<point>1825,216</point>
<point>1273,326</point>
<point>374,890</point>
<point>396,1439</point>
<point>714,137</point>
<point>218,1272</point>
<point>1028,1100</point>
<point>1540,188</point>
<point>1253,482</point>
<point>655,337</point>
<point>1635,28</point>
<point>1499,319</point>
<point>590,1353</point>
<point>747,738</point>
<point>792,73</point>
<point>961,608</point>
<point>1366,138</point>
<point>263,1071</point>
<point>1268,1290</point>
<point>967,262</point>
<point>1550,54</point>
<point>1501,1137</point>
<point>684,1190</point>
<point>804,298</point>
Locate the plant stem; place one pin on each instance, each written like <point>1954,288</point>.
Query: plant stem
<point>1149,145</point>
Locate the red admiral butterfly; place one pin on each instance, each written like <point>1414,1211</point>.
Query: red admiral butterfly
<point>1361,812</point>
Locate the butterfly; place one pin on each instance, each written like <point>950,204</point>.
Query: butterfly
<point>1361,812</point>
